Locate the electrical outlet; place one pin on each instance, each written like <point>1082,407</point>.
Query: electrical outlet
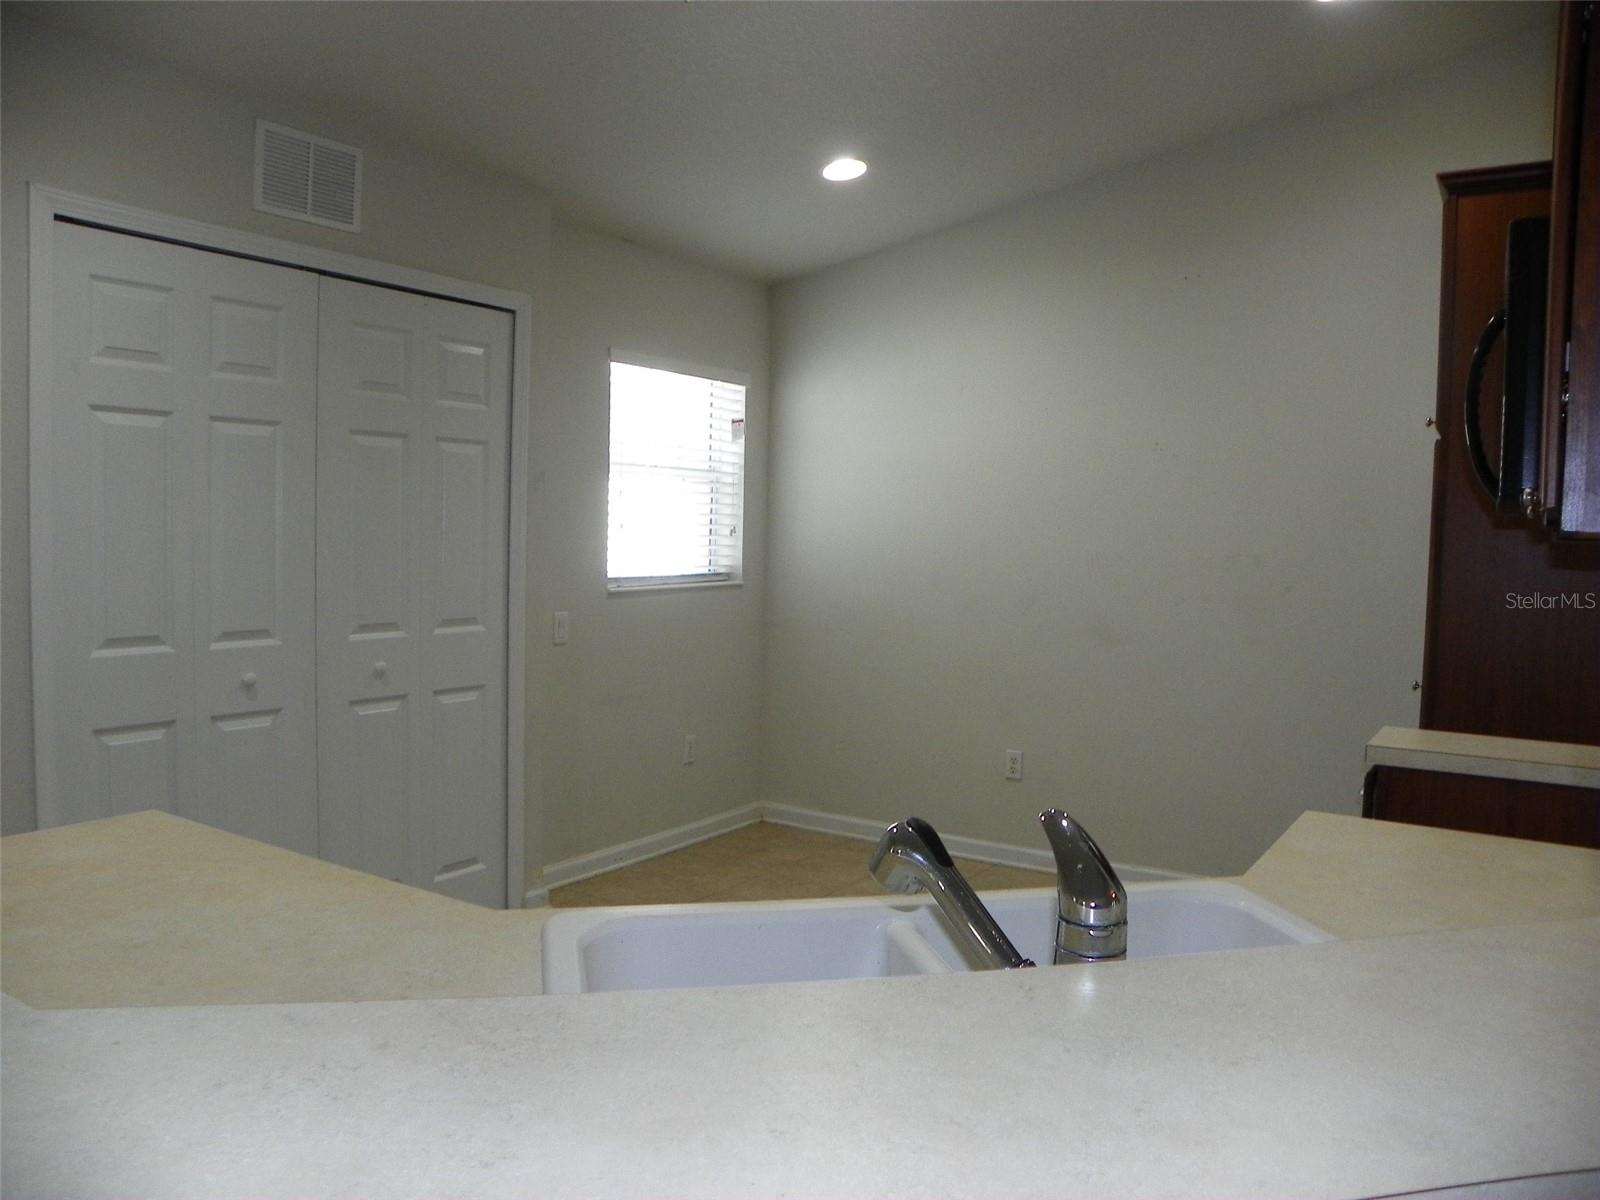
<point>1013,764</point>
<point>688,749</point>
<point>560,628</point>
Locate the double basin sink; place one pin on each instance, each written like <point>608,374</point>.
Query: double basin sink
<point>722,945</point>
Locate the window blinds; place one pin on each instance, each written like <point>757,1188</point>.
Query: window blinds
<point>676,496</point>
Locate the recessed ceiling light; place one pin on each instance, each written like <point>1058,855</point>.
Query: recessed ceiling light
<point>842,169</point>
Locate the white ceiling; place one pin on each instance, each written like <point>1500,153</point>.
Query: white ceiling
<point>701,127</point>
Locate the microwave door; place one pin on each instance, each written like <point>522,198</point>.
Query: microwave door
<point>1522,409</point>
<point>1522,319</point>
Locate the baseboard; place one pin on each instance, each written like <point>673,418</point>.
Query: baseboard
<point>1027,857</point>
<point>571,870</point>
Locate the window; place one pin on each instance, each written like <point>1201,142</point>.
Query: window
<point>676,497</point>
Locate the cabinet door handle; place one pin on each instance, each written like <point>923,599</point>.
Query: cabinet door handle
<point>247,680</point>
<point>380,668</point>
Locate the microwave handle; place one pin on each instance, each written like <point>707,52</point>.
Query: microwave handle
<point>1469,408</point>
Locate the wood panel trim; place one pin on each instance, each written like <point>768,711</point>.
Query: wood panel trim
<point>1563,206</point>
<point>1580,450</point>
<point>1447,317</point>
<point>1495,179</point>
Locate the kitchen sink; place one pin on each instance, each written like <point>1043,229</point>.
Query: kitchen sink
<point>722,945</point>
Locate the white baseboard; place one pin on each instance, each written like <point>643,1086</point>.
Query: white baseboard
<point>571,870</point>
<point>1027,857</point>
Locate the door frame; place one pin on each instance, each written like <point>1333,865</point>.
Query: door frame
<point>45,205</point>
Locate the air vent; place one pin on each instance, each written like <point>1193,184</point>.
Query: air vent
<point>306,177</point>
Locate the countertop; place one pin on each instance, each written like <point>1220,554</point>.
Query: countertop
<point>1451,1039</point>
<point>1358,878</point>
<point>1564,763</point>
<point>151,909</point>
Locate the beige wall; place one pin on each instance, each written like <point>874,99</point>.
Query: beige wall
<point>88,120</point>
<point>1133,478</point>
<point>642,669</point>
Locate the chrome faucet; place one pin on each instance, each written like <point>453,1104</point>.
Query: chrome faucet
<point>909,857</point>
<point>1091,904</point>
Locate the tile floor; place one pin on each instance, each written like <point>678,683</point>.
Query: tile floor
<point>762,862</point>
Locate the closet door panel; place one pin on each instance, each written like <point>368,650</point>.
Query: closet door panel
<point>255,570</point>
<point>468,357</point>
<point>412,503</point>
<point>113,603</point>
<point>174,544</point>
<point>370,421</point>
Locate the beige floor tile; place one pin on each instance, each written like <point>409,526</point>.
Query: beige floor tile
<point>761,862</point>
<point>651,882</point>
<point>803,844</point>
<point>744,840</point>
<point>864,886</point>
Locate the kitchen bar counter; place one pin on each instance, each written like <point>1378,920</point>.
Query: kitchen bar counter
<point>1344,1069</point>
<point>1359,878</point>
<point>153,909</point>
<point>1451,1040</point>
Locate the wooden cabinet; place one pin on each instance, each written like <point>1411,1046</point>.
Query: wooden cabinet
<point>1570,465</point>
<point>1513,621</point>
<point>1545,812</point>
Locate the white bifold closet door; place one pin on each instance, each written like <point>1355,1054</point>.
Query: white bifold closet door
<point>270,559</point>
<point>412,491</point>
<point>174,578</point>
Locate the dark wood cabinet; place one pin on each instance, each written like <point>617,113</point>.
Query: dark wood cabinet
<point>1570,464</point>
<point>1512,643</point>
<point>1545,812</point>
<point>1513,621</point>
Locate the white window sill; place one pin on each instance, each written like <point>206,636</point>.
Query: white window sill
<point>677,585</point>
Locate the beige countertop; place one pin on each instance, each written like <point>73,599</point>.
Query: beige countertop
<point>1358,878</point>
<point>151,909</point>
<point>1426,1051</point>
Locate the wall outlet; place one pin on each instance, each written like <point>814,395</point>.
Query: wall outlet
<point>1013,764</point>
<point>559,629</point>
<point>688,749</point>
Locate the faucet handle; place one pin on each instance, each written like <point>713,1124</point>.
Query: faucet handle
<point>1092,905</point>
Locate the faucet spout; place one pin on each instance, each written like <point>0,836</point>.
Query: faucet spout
<point>1091,903</point>
<point>910,857</point>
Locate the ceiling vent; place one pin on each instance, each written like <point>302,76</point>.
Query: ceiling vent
<point>307,178</point>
